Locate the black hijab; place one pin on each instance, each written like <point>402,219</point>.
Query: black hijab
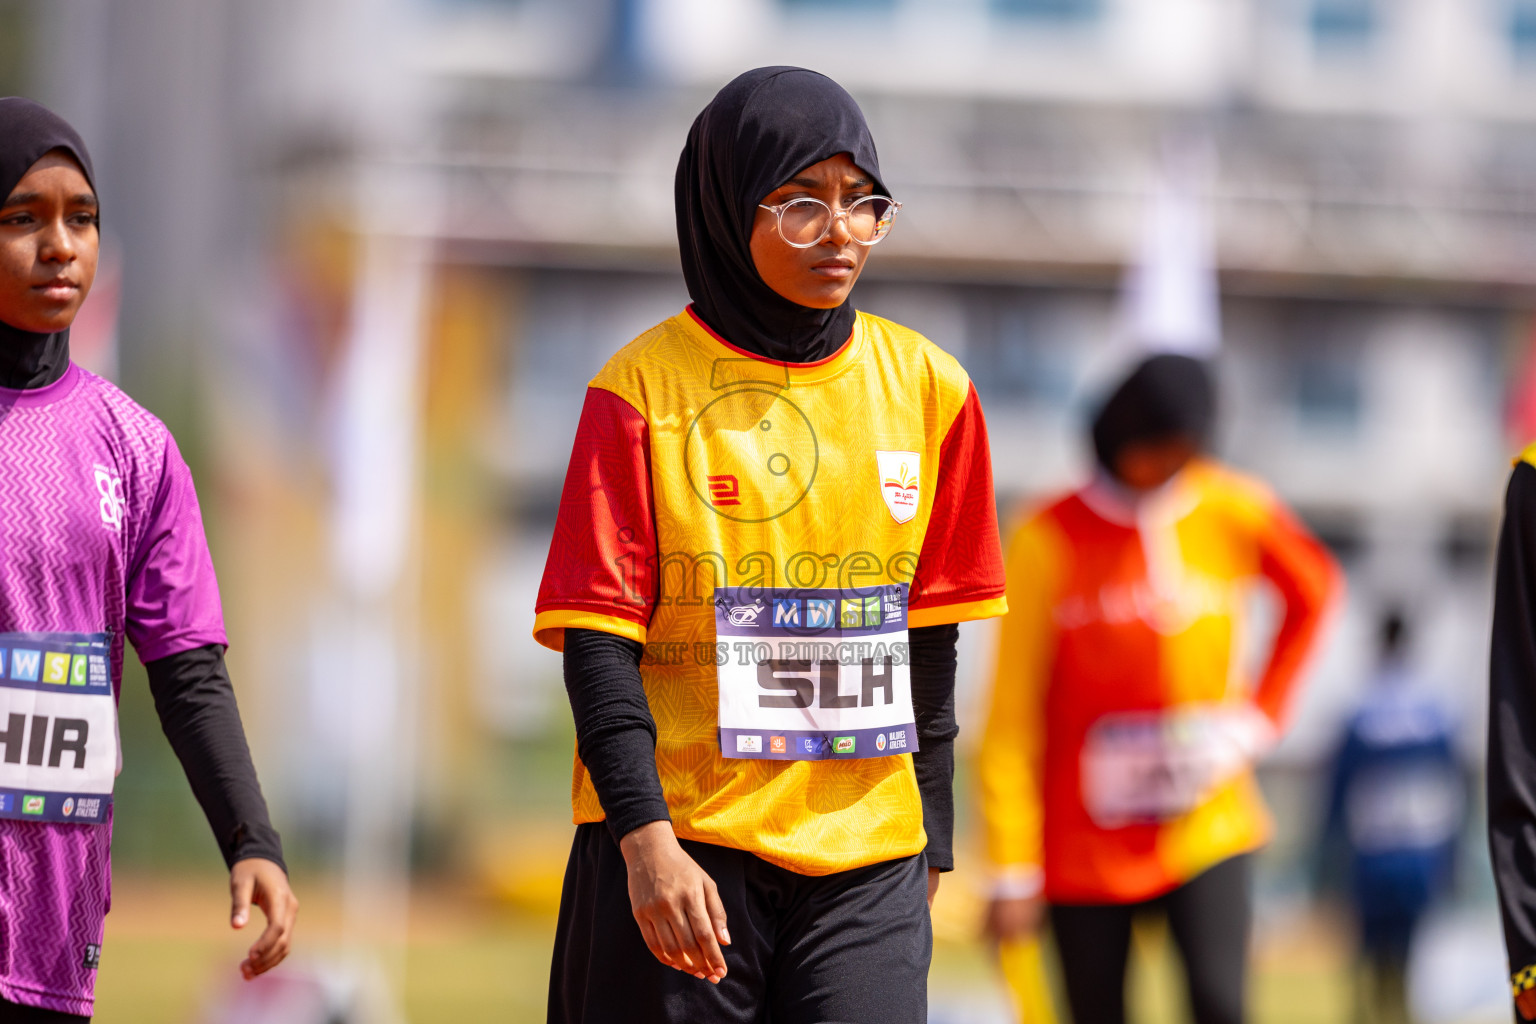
<point>759,131</point>
<point>28,131</point>
<point>1166,396</point>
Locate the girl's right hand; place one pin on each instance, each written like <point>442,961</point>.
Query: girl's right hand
<point>1014,917</point>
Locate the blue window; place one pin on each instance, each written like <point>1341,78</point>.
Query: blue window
<point>1521,26</point>
<point>1328,390</point>
<point>1023,354</point>
<point>1343,25</point>
<point>1033,371</point>
<point>1051,10</point>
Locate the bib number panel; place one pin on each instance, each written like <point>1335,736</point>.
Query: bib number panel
<point>1147,767</point>
<point>58,727</point>
<point>814,674</point>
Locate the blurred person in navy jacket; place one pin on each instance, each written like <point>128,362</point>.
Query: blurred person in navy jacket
<point>1397,802</point>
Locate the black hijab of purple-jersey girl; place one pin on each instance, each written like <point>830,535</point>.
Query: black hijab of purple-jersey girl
<point>759,131</point>
<point>29,132</point>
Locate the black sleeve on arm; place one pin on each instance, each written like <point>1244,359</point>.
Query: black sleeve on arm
<point>1512,721</point>
<point>197,710</point>
<point>932,650</point>
<point>615,733</point>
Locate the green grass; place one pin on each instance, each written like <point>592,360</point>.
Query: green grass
<point>500,974</point>
<point>158,980</point>
<point>168,953</point>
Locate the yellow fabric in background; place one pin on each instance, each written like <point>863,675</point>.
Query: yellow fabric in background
<point>1023,967</point>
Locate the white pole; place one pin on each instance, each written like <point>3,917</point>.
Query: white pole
<point>372,532</point>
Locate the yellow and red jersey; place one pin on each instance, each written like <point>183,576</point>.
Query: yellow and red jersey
<point>700,466</point>
<point>1117,620</point>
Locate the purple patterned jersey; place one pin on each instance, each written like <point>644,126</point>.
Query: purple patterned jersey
<point>100,532</point>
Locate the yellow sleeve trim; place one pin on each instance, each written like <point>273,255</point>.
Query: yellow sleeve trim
<point>549,627</point>
<point>944,614</point>
<point>1523,979</point>
<point>1529,455</point>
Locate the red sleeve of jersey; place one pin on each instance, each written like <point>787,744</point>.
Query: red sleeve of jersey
<point>960,570</point>
<point>599,574</point>
<point>1310,583</point>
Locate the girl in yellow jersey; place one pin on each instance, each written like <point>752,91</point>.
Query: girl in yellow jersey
<point>777,510</point>
<point>1115,765</point>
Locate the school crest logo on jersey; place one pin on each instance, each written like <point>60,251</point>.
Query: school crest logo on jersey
<point>109,487</point>
<point>899,476</point>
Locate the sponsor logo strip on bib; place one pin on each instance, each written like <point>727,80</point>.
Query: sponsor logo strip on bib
<point>58,727</point>
<point>812,674</point>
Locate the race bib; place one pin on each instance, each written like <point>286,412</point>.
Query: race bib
<point>814,674</point>
<point>1406,804</point>
<point>1145,767</point>
<point>58,727</point>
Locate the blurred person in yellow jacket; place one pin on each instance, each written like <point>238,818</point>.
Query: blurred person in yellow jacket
<point>1116,762</point>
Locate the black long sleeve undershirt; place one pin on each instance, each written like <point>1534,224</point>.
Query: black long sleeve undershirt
<point>197,710</point>
<point>933,702</point>
<point>616,735</point>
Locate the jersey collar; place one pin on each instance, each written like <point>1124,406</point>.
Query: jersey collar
<point>31,398</point>
<point>796,373</point>
<point>1115,503</point>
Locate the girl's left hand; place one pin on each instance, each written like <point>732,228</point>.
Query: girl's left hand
<point>260,881</point>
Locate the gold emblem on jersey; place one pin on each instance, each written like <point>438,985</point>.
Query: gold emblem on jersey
<point>899,478</point>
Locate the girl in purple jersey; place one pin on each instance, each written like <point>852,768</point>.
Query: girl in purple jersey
<point>101,540</point>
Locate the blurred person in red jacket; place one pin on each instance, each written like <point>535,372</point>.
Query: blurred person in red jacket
<point>1115,766</point>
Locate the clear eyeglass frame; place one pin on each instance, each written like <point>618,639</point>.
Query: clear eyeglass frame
<point>832,216</point>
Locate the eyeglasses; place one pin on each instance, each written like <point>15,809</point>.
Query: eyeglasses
<point>805,222</point>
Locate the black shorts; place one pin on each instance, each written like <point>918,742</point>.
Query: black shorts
<point>13,1013</point>
<point>1209,918</point>
<point>851,947</point>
